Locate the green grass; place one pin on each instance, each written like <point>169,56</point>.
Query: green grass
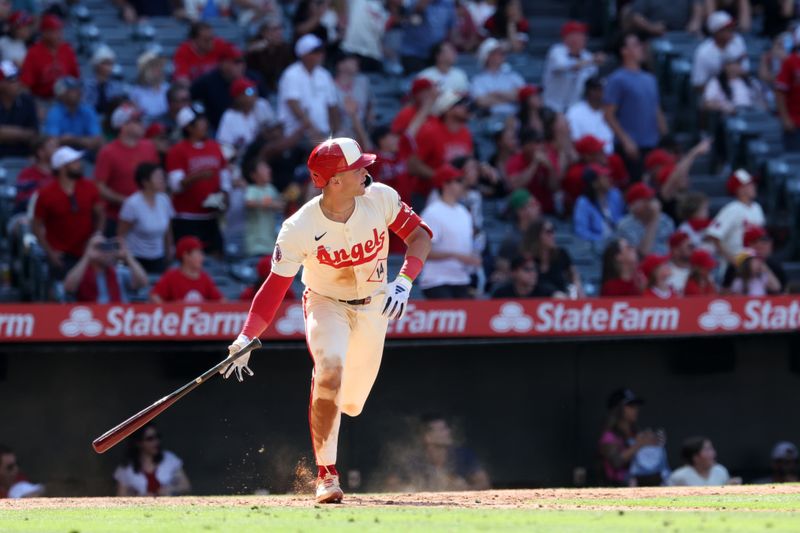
<point>775,513</point>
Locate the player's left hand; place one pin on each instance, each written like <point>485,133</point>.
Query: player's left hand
<point>240,365</point>
<point>396,299</point>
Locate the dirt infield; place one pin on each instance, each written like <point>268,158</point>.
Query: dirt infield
<point>497,499</point>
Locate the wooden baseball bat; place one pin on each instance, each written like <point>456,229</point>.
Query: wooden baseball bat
<point>117,434</point>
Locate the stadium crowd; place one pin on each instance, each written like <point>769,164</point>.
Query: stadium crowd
<point>201,156</point>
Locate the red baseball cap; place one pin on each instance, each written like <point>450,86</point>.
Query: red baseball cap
<point>336,155</point>
<point>738,179</point>
<point>664,173</point>
<point>701,258</point>
<point>50,22</point>
<point>240,86</point>
<point>639,191</point>
<point>678,238</point>
<point>230,53</point>
<point>187,244</point>
<point>526,91</point>
<point>573,26</point>
<point>154,130</point>
<point>657,158</point>
<point>651,263</point>
<point>19,19</point>
<point>264,266</point>
<point>589,144</point>
<point>420,84</point>
<point>445,174</point>
<point>754,234</point>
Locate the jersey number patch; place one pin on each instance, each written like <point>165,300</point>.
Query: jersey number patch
<point>379,274</point>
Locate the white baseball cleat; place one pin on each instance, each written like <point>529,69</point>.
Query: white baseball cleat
<point>328,489</point>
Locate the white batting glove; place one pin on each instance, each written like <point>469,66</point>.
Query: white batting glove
<point>240,365</point>
<point>396,299</point>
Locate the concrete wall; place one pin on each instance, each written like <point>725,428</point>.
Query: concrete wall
<point>532,412</point>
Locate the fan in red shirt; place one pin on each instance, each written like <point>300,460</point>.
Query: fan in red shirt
<point>442,139</point>
<point>263,269</point>
<point>700,281</point>
<point>620,270</point>
<point>657,272</point>
<point>590,150</point>
<point>49,60</point>
<point>535,168</point>
<point>34,177</point>
<point>117,161</point>
<point>198,54</point>
<point>68,210</point>
<point>187,282</point>
<point>195,168</point>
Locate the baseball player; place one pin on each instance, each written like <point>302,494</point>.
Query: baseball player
<point>341,239</point>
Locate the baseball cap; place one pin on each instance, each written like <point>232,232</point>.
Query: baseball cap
<point>65,84</point>
<point>19,19</point>
<point>519,199</point>
<point>657,158</point>
<point>651,263</point>
<point>50,22</point>
<point>486,48</point>
<point>307,44</point>
<point>526,91</point>
<point>719,20</point>
<point>230,53</point>
<point>187,244</point>
<point>242,86</point>
<point>744,255</point>
<point>185,117</point>
<point>623,396</point>
<point>784,450</point>
<point>664,173</point>
<point>639,191</point>
<point>754,234</point>
<point>702,258</point>
<point>445,174</point>
<point>103,53</point>
<point>738,179</point>
<point>64,156</point>
<point>124,114</point>
<point>589,144</point>
<point>336,155</point>
<point>8,70</point>
<point>573,26</point>
<point>155,129</point>
<point>678,238</point>
<point>420,84</point>
<point>445,101</point>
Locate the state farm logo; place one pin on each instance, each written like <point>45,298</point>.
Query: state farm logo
<point>512,317</point>
<point>292,322</point>
<point>719,316</point>
<point>81,322</point>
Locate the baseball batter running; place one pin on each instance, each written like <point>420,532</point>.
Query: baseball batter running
<point>341,239</point>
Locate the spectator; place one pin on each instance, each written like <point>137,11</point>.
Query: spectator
<point>787,98</point>
<point>263,269</point>
<point>19,123</point>
<point>568,66</point>
<point>246,118</point>
<point>653,18</point>
<point>14,45</point>
<point>68,211</point>
<point>354,98</point>
<point>657,272</point>
<point>590,151</point>
<point>49,59</point>
<point>586,116</point>
<point>771,60</point>
<point>148,469</point>
<point>554,265</point>
<point>13,483</point>
<point>196,175</point>
<point>535,169</point>
<point>757,239</point>
<point>784,464</point>
<point>753,276</point>
<point>645,227</point>
<point>428,23</point>
<point>391,166</point>
<point>74,123</point>
<point>269,54</point>
<point>213,89</point>
<point>150,92</point>
<point>680,253</point>
<point>723,46</point>
<point>443,72</point>
<point>118,160</point>
<point>251,11</point>
<point>496,88</point>
<point>506,145</point>
<point>199,53</point>
<point>100,278</point>
<point>526,211</point>
<point>633,110</point>
<point>524,282</point>
<point>508,23</point>
<point>35,176</point>
<point>671,177</point>
<point>452,258</point>
<point>206,10</point>
<point>532,112</point>
<point>319,18</point>
<point>727,229</point>
<point>731,90</point>
<point>693,212</point>
<point>621,439</point>
<point>465,35</point>
<point>366,27</point>
<point>701,468</point>
<point>422,97</point>
<point>701,279</point>
<point>187,282</point>
<point>739,10</point>
<point>264,204</point>
<point>178,97</point>
<point>599,208</point>
<point>100,90</point>
<point>144,219</point>
<point>620,276</point>
<point>307,94</point>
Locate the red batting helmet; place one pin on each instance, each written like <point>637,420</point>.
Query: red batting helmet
<point>334,156</point>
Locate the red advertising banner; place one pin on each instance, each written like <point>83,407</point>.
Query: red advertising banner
<point>540,318</point>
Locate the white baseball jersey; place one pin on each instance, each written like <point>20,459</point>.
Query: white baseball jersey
<point>343,261</point>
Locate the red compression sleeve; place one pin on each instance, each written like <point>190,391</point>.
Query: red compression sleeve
<point>411,268</point>
<point>406,222</point>
<point>265,304</point>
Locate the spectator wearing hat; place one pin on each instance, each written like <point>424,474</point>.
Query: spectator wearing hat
<point>657,272</point>
<point>74,122</point>
<point>106,273</point>
<point>728,227</point>
<point>68,211</point>
<point>532,112</point>
<point>568,66</point>
<point>701,468</point>
<point>723,46</point>
<point>757,239</point>
<point>622,439</point>
<point>787,97</point>
<point>363,37</point>
<point>269,54</point>
<point>496,88</point>
<point>213,89</point>
<point>14,45</point>
<point>144,219</point>
<point>197,177</point>
<point>199,54</point>
<point>247,116</point>
<point>264,203</point>
<point>591,150</point>
<point>524,282</point>
<point>701,279</point>
<point>149,93</point>
<point>421,99</point>
<point>586,117</point>
<point>13,483</point>
<point>307,96</point>
<point>100,90</point>
<point>36,175</point>
<point>670,175</point>
<point>428,22</point>
<point>355,99</point>
<point>680,253</point>
<point>452,259</point>
<point>620,270</point>
<point>263,269</point>
<point>19,122</point>
<point>536,169</point>
<point>652,18</point>
<point>187,282</point>
<point>443,72</point>
<point>525,211</point>
<point>645,227</point>
<point>753,277</point>
<point>632,106</point>
<point>49,59</point>
<point>508,24</point>
<point>599,209</point>
<point>783,462</point>
<point>117,161</point>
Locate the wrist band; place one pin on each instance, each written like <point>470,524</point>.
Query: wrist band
<point>411,268</point>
